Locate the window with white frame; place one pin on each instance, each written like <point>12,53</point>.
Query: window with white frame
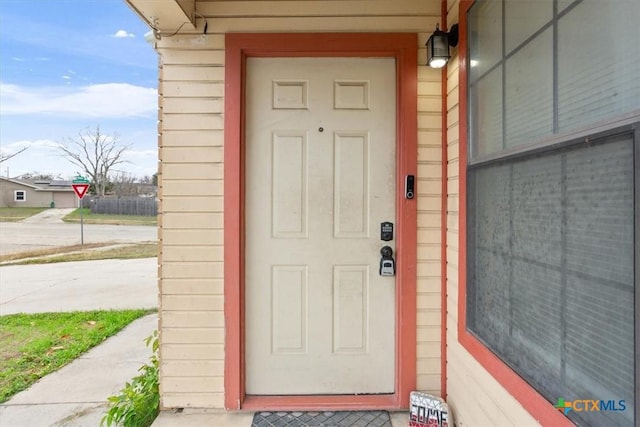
<point>553,189</point>
<point>19,196</point>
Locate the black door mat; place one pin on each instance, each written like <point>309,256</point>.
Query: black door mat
<point>322,419</point>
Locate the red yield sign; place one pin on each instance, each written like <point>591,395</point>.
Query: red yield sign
<point>80,189</point>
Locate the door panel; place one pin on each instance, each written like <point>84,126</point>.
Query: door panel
<point>320,178</point>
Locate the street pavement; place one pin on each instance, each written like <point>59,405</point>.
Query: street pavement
<point>47,230</point>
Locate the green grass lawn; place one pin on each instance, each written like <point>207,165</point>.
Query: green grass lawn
<point>33,345</point>
<point>18,214</point>
<point>90,218</point>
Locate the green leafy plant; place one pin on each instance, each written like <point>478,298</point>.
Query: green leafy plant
<point>138,403</point>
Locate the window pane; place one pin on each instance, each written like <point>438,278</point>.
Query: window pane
<point>486,115</point>
<point>485,36</point>
<point>491,274</point>
<point>523,18</point>
<point>563,4</point>
<point>529,96</point>
<point>598,69</point>
<point>600,277</point>
<point>551,282</point>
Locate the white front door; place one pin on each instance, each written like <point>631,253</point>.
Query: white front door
<point>320,179</point>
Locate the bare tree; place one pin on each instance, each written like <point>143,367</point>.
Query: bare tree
<point>124,184</point>
<point>96,153</point>
<point>40,175</point>
<point>4,157</point>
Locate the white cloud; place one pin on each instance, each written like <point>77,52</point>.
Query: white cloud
<point>109,100</point>
<point>121,34</point>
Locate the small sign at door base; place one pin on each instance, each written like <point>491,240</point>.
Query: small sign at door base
<point>428,411</point>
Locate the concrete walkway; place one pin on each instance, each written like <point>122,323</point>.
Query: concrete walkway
<point>219,418</point>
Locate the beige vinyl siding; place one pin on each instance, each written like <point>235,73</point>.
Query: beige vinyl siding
<point>429,188</point>
<point>191,182</point>
<point>474,396</point>
<point>191,168</point>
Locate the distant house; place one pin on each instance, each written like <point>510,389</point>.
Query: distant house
<point>36,193</point>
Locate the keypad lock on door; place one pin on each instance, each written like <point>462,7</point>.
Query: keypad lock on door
<point>387,263</point>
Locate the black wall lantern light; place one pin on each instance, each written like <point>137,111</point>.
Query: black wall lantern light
<point>438,46</point>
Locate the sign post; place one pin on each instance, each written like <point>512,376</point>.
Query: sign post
<point>80,186</point>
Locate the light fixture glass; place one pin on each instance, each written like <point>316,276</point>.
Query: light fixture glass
<point>438,46</point>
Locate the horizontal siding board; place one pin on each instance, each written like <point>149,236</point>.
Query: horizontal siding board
<point>193,122</point>
<point>192,253</point>
<point>193,89</point>
<point>429,252</point>
<point>193,368</point>
<point>201,73</point>
<point>408,24</point>
<point>191,319</point>
<point>429,285</point>
<point>185,188</point>
<point>193,384</point>
<point>326,8</point>
<point>196,270</point>
<point>202,171</point>
<point>428,349</point>
<point>193,302</point>
<point>193,155</point>
<point>193,336</point>
<point>429,103</point>
<point>429,219</point>
<point>191,220</point>
<point>192,237</point>
<point>191,57</point>
<point>192,287</point>
<point>429,301</point>
<point>428,381</point>
<point>197,105</point>
<point>192,352</point>
<point>192,138</point>
<point>192,203</point>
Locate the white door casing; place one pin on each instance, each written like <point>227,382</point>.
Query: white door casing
<point>320,178</point>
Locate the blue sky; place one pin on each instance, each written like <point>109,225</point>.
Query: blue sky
<point>69,65</point>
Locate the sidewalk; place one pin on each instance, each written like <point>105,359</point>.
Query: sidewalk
<point>76,395</point>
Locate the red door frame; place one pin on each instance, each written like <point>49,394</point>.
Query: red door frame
<point>401,46</point>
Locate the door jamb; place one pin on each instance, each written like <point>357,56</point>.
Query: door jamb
<point>238,47</point>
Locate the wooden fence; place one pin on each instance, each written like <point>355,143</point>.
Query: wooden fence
<point>124,206</point>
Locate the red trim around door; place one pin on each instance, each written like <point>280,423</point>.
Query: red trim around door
<point>401,46</point>
<point>529,398</point>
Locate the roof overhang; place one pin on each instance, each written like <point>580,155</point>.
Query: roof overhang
<point>165,16</point>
